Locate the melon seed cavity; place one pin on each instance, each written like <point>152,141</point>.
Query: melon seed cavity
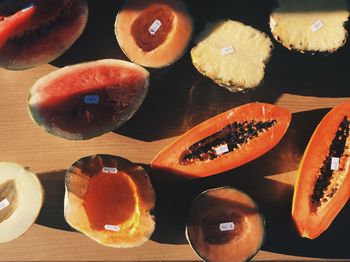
<point>229,139</point>
<point>331,174</point>
<point>152,27</point>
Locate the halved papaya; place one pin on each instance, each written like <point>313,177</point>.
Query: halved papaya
<point>225,225</point>
<point>322,186</point>
<point>225,141</point>
<point>153,33</point>
<point>109,199</point>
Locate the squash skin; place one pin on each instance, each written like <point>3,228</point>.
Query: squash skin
<point>168,52</point>
<point>167,161</point>
<point>247,202</point>
<point>307,223</point>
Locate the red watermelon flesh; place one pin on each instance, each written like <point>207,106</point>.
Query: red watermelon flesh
<point>86,100</point>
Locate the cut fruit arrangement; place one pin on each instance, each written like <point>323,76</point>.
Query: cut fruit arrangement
<point>110,199</point>
<point>153,33</point>
<point>310,25</point>
<point>232,54</point>
<point>225,225</point>
<point>36,32</point>
<point>322,187</point>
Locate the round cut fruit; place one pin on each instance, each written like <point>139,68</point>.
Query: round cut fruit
<point>225,225</point>
<point>310,25</point>
<point>322,187</point>
<point>86,100</point>
<point>37,32</point>
<point>153,33</point>
<point>232,54</point>
<point>21,198</point>
<point>109,199</point>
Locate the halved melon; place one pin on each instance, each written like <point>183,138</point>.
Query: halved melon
<point>322,186</point>
<point>310,25</point>
<point>109,199</point>
<point>232,54</point>
<point>21,198</point>
<point>34,32</point>
<point>223,142</point>
<point>86,100</point>
<point>153,33</point>
<point>225,225</point>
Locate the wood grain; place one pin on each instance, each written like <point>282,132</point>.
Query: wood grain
<point>177,100</point>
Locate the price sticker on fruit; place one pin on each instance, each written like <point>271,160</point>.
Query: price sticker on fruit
<point>227,226</point>
<point>154,27</point>
<point>91,99</point>
<point>109,170</point>
<point>112,228</point>
<point>316,26</point>
<point>227,50</point>
<point>4,203</point>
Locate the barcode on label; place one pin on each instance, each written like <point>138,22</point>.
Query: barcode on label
<point>4,203</point>
<point>91,99</point>
<point>227,50</point>
<point>221,149</point>
<point>316,26</point>
<point>112,228</point>
<point>154,27</point>
<point>335,163</point>
<point>110,170</point>
<point>227,226</point>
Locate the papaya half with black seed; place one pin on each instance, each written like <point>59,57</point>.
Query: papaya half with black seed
<point>322,186</point>
<point>223,142</point>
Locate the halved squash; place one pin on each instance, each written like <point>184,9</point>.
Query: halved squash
<point>223,142</point>
<point>225,225</point>
<point>109,199</point>
<point>153,33</point>
<point>322,186</point>
<point>21,199</point>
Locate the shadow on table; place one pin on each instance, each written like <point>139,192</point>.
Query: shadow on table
<point>51,214</point>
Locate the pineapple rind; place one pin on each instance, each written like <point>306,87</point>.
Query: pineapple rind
<point>242,70</point>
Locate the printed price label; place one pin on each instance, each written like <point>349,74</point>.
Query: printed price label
<point>335,163</point>
<point>316,26</point>
<point>154,27</point>
<point>4,203</point>
<point>221,149</point>
<point>92,99</point>
<point>227,50</point>
<point>227,226</point>
<point>112,228</point>
<point>110,170</point>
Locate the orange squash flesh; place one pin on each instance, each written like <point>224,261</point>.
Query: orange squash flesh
<point>134,20</point>
<point>169,159</point>
<point>311,222</point>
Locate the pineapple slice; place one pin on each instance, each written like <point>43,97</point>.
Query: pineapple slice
<point>232,54</point>
<point>310,25</point>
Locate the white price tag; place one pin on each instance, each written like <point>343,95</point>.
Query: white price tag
<point>4,203</point>
<point>227,50</point>
<point>316,26</point>
<point>335,163</point>
<point>110,170</point>
<point>227,226</point>
<point>112,228</point>
<point>221,149</point>
<point>154,27</point>
<point>92,99</point>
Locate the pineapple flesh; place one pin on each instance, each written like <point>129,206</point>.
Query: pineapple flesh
<point>310,25</point>
<point>232,54</point>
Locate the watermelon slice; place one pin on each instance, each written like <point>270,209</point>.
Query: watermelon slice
<point>89,99</point>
